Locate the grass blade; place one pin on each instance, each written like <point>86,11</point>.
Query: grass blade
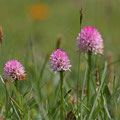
<point>15,111</point>
<point>85,76</point>
<point>98,93</point>
<point>16,104</point>
<point>106,109</point>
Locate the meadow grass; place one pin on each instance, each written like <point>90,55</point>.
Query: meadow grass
<point>32,42</point>
<point>40,99</point>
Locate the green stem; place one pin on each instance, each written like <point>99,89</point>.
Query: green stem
<point>6,103</point>
<point>18,93</point>
<point>78,86</point>
<point>16,85</point>
<point>62,96</point>
<point>88,80</point>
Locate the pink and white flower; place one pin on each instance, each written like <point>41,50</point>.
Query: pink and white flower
<point>89,39</point>
<point>59,61</point>
<point>14,70</point>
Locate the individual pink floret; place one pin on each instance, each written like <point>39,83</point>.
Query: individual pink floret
<point>14,70</point>
<point>90,40</point>
<point>59,61</point>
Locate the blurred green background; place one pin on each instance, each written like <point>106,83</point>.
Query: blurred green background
<point>63,19</point>
<point>54,18</point>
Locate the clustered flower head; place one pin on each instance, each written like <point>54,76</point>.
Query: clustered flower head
<point>14,70</point>
<point>59,61</point>
<point>89,39</point>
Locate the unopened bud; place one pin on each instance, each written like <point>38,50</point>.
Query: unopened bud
<point>58,42</point>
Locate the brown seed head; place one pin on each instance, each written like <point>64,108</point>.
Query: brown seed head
<point>110,69</point>
<point>97,78</point>
<point>81,17</point>
<point>58,42</point>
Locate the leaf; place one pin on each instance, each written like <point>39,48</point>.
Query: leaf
<point>15,111</point>
<point>107,92</point>
<point>16,104</point>
<point>98,93</point>
<point>32,106</point>
<point>106,109</point>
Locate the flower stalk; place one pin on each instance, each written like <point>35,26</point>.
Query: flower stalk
<point>60,63</point>
<point>18,93</point>
<point>89,77</point>
<point>62,95</point>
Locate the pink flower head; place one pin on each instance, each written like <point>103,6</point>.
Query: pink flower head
<point>90,40</point>
<point>59,61</point>
<point>14,70</point>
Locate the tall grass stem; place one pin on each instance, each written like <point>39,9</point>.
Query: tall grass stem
<point>78,84</point>
<point>6,103</point>
<point>82,95</point>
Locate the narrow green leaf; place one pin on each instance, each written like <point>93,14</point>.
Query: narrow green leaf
<point>15,111</point>
<point>98,93</point>
<point>84,81</point>
<point>16,104</point>
<point>106,109</point>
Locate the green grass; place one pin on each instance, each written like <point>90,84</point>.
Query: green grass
<point>32,42</point>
